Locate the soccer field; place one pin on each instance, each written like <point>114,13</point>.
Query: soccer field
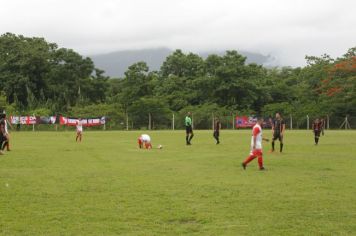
<point>51,185</point>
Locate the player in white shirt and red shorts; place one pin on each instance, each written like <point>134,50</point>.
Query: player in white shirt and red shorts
<point>144,141</point>
<point>256,145</point>
<point>79,128</point>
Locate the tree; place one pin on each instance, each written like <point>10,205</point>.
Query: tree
<point>35,73</point>
<point>339,88</point>
<point>146,107</point>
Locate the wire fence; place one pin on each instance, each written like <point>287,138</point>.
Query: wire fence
<point>200,122</point>
<point>206,122</point>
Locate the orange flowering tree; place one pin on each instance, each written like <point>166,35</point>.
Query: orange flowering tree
<point>339,88</point>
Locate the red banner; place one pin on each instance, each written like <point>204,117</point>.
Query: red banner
<point>33,120</point>
<point>86,122</point>
<point>245,121</point>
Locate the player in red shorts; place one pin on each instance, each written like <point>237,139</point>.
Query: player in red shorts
<point>79,129</point>
<point>256,145</point>
<point>144,141</point>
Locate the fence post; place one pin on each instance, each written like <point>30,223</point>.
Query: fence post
<point>127,121</point>
<point>212,115</point>
<point>173,121</point>
<point>149,121</point>
<point>346,122</point>
<point>33,125</point>
<point>192,121</point>
<point>328,122</point>
<point>291,121</point>
<point>233,121</point>
<point>307,122</point>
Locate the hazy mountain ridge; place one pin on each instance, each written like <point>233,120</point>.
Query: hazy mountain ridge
<point>116,63</point>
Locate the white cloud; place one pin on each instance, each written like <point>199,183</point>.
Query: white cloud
<point>287,29</point>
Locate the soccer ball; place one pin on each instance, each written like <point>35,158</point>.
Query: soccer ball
<point>160,146</point>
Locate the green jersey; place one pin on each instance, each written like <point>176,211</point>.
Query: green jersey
<point>188,121</point>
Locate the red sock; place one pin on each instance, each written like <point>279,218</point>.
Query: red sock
<point>260,162</point>
<point>249,158</point>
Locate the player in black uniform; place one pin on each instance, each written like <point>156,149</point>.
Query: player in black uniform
<point>217,127</point>
<point>3,139</point>
<point>317,129</point>
<point>322,126</point>
<point>278,127</point>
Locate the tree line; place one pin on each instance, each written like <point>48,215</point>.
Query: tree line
<point>38,77</point>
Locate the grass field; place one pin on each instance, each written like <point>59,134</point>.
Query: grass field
<point>50,185</point>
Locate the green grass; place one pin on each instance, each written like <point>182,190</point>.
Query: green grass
<point>50,185</point>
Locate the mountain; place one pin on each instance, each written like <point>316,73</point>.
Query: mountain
<point>116,63</point>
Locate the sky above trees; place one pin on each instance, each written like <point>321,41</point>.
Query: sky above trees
<point>288,30</point>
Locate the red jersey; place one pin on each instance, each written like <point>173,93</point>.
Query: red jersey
<point>317,126</point>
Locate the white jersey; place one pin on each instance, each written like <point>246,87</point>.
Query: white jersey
<point>6,130</point>
<point>257,132</point>
<point>146,138</point>
<point>79,126</point>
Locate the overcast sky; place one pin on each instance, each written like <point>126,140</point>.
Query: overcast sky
<point>287,29</point>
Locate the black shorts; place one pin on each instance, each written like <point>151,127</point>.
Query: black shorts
<point>3,140</point>
<point>317,133</point>
<point>189,129</point>
<point>278,136</point>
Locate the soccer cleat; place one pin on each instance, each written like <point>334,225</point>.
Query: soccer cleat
<point>243,165</point>
<point>262,168</point>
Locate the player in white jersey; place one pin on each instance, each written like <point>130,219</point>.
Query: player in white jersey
<point>7,132</point>
<point>256,145</point>
<point>79,128</point>
<point>144,141</point>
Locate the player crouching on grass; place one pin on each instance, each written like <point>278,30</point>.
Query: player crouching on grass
<point>256,145</point>
<point>79,128</point>
<point>144,141</point>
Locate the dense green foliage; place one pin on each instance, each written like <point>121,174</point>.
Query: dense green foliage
<point>35,74</point>
<point>106,186</point>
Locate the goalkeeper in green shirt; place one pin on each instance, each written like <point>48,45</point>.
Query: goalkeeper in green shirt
<point>188,128</point>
